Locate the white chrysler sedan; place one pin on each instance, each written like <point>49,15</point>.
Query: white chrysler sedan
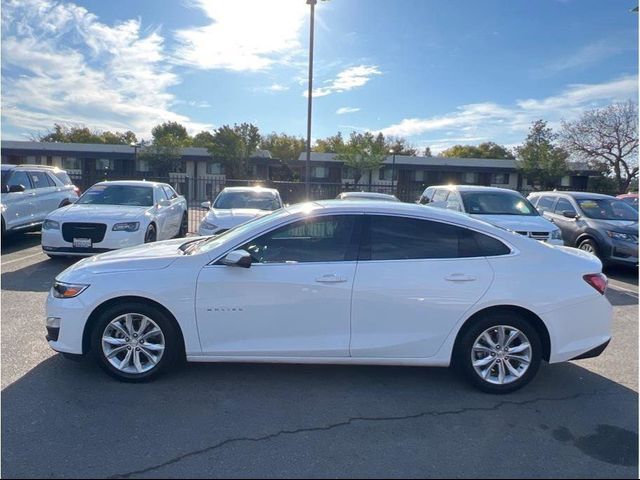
<point>236,205</point>
<point>338,282</point>
<point>112,215</point>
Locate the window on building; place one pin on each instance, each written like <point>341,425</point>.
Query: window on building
<point>319,172</point>
<point>348,172</point>
<point>500,178</point>
<point>103,164</point>
<point>385,173</point>
<point>70,163</point>
<point>419,176</point>
<point>214,168</point>
<point>565,181</point>
<point>471,178</point>
<point>143,166</point>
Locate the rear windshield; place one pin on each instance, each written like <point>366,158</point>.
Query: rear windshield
<point>497,203</point>
<point>258,200</point>
<point>63,177</point>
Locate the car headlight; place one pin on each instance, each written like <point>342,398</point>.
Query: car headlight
<point>126,227</point>
<point>67,290</point>
<point>622,236</point>
<point>208,225</point>
<point>51,225</point>
<point>556,234</point>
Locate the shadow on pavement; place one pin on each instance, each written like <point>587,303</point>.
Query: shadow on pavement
<point>620,298</point>
<point>623,273</point>
<point>212,420</point>
<point>14,242</point>
<point>36,277</point>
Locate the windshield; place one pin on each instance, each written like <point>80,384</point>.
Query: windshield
<point>632,201</point>
<point>118,195</point>
<point>258,200</point>
<point>607,209</point>
<point>497,203</point>
<point>230,235</point>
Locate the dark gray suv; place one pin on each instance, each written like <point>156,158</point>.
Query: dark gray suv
<point>600,224</point>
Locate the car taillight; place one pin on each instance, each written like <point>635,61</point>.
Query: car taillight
<point>597,281</point>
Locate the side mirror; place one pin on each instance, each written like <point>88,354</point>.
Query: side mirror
<point>238,258</point>
<point>16,188</point>
<point>164,203</point>
<point>206,205</point>
<point>570,214</point>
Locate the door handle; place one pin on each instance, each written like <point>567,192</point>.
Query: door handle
<point>460,277</point>
<point>331,278</point>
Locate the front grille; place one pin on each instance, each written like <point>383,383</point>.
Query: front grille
<point>539,235</point>
<point>94,231</point>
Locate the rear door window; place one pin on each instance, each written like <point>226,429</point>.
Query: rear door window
<point>564,205</point>
<point>40,179</point>
<point>440,195</point>
<point>545,204</point>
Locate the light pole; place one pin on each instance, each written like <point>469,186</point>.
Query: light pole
<point>393,171</point>
<point>135,152</point>
<point>312,4</point>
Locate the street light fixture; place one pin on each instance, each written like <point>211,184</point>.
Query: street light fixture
<point>135,152</point>
<point>312,4</point>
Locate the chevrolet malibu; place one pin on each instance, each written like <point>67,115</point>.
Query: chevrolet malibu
<point>338,282</point>
<point>112,215</point>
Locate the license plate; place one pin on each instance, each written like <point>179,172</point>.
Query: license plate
<point>82,243</point>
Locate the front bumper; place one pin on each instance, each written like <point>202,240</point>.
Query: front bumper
<point>54,244</point>
<point>622,252</point>
<point>72,315</point>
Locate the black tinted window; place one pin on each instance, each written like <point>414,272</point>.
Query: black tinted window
<point>19,177</point>
<point>320,239</point>
<point>40,180</point>
<point>545,204</point>
<point>564,205</point>
<point>63,177</point>
<point>399,238</point>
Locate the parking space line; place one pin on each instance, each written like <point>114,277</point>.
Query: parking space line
<point>20,259</point>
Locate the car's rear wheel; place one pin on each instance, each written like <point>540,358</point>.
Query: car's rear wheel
<point>134,342</point>
<point>184,225</point>
<point>151,234</point>
<point>499,353</point>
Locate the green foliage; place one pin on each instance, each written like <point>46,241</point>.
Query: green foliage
<point>539,159</point>
<point>363,152</point>
<point>602,184</point>
<point>484,150</point>
<point>66,134</point>
<point>282,146</point>
<point>233,146</point>
<point>171,129</point>
<point>163,155</point>
<point>203,139</point>
<point>427,152</point>
<point>333,144</point>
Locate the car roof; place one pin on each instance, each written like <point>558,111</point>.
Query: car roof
<point>474,188</point>
<point>576,195</point>
<point>52,168</point>
<point>250,189</point>
<point>368,195</point>
<point>131,183</point>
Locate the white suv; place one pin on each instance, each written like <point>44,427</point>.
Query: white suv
<point>30,192</point>
<point>500,206</point>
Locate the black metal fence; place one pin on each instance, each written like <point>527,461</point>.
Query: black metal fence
<point>199,190</point>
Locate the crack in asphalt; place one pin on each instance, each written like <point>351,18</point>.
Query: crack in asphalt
<point>348,422</point>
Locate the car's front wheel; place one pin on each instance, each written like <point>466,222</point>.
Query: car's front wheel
<point>184,225</point>
<point>151,234</point>
<point>499,353</point>
<point>134,342</point>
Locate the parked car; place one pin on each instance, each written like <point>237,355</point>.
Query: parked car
<point>30,193</point>
<point>500,206</point>
<point>112,215</point>
<point>338,282</point>
<point>630,198</point>
<point>384,197</point>
<point>599,224</point>
<point>236,205</point>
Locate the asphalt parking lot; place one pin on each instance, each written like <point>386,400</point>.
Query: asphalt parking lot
<point>67,419</point>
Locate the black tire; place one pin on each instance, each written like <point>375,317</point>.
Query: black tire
<point>151,235</point>
<point>464,351</point>
<point>184,226</point>
<point>4,229</point>
<point>591,246</point>
<point>166,325</point>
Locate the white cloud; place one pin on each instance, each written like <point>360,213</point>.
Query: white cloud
<point>276,87</point>
<point>242,34</point>
<point>587,56</point>
<point>509,123</point>
<point>61,64</point>
<point>348,79</point>
<point>345,110</point>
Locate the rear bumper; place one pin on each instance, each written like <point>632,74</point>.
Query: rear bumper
<point>594,352</point>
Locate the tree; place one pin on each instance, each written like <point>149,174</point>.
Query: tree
<point>362,153</point>
<point>233,146</point>
<point>607,138</point>
<point>173,129</point>
<point>284,147</point>
<point>400,146</point>
<point>539,159</point>
<point>81,134</point>
<point>427,152</point>
<point>484,150</point>
<point>334,144</point>
<point>203,139</point>
<point>163,155</point>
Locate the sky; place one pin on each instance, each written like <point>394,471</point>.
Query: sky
<point>436,72</point>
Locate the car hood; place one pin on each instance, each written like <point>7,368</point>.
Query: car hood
<point>518,223</point>
<point>232,217</point>
<point>74,212</point>
<point>150,256</point>
<point>625,226</point>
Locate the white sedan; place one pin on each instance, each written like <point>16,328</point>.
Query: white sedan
<point>113,215</point>
<point>235,205</point>
<point>338,282</point>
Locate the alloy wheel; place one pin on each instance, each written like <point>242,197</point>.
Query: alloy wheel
<point>501,355</point>
<point>133,343</point>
